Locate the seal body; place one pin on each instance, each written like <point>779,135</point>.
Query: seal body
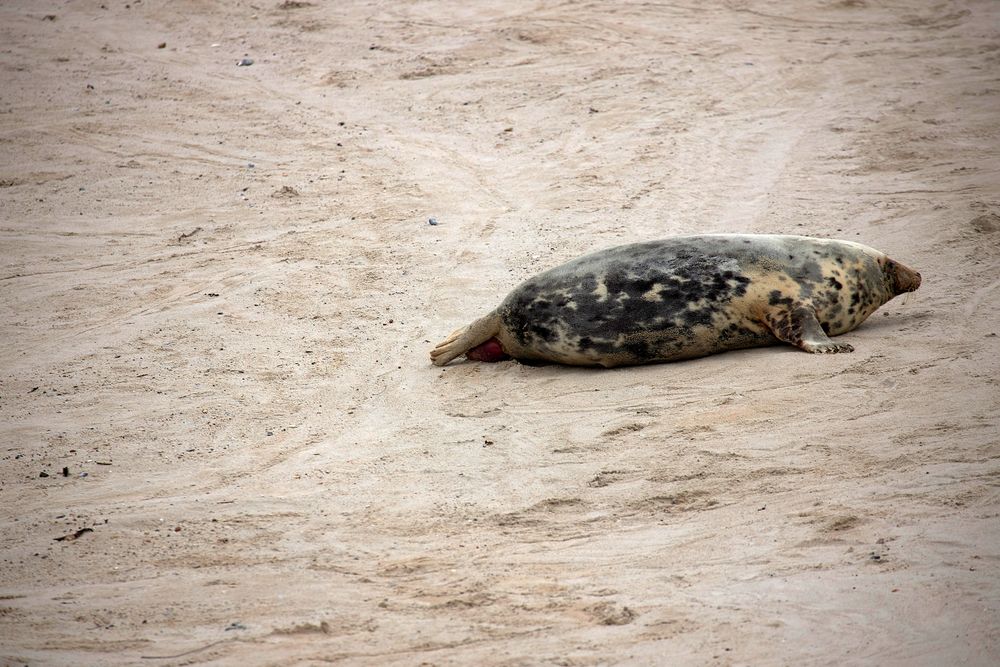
<point>686,297</point>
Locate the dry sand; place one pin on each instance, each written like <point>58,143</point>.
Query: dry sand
<point>218,290</point>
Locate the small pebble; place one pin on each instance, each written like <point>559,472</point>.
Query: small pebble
<point>245,62</point>
<point>432,221</point>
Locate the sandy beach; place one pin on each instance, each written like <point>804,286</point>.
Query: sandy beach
<point>222,441</point>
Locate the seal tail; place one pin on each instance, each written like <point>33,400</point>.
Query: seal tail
<point>464,339</point>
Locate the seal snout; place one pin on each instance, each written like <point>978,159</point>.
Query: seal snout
<point>904,279</point>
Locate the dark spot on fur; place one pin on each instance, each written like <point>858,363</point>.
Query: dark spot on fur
<point>777,299</point>
<point>638,349</point>
<point>542,332</point>
<point>834,283</point>
<point>808,274</point>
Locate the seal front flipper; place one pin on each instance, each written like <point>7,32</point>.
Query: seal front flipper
<point>466,338</point>
<point>798,325</point>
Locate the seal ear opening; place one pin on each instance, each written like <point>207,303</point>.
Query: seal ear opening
<point>466,338</point>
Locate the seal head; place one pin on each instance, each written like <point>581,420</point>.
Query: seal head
<point>900,278</point>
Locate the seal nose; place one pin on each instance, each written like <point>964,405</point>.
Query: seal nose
<point>907,280</point>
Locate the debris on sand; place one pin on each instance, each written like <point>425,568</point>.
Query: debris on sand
<point>189,234</point>
<point>74,536</point>
<point>285,192</point>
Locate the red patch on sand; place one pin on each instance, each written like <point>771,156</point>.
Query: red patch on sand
<point>488,351</point>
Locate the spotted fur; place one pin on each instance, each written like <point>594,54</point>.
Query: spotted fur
<point>688,297</point>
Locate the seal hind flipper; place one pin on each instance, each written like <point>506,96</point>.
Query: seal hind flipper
<point>462,340</point>
<point>799,326</point>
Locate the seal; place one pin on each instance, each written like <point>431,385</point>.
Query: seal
<point>686,297</point>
